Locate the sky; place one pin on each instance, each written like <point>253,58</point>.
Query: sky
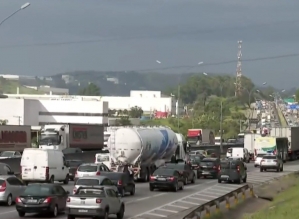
<point>51,37</point>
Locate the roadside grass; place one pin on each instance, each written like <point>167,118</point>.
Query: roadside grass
<point>285,205</point>
<point>281,118</point>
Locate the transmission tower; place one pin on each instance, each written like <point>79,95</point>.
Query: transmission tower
<point>239,70</point>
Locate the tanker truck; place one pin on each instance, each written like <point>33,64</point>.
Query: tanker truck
<point>143,148</point>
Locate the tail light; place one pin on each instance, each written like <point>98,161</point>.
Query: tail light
<point>3,187</point>
<point>47,173</point>
<point>98,201</point>
<point>98,173</point>
<point>238,168</point>
<point>47,200</point>
<point>170,178</point>
<point>119,183</point>
<point>152,178</point>
<point>68,200</point>
<point>18,200</point>
<point>74,191</point>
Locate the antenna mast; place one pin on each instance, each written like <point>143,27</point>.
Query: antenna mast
<point>239,70</point>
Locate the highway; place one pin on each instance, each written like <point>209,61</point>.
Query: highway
<point>157,204</point>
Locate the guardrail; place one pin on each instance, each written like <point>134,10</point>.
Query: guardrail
<point>204,210</point>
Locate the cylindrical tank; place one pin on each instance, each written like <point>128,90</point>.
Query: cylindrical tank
<point>170,141</point>
<point>129,144</point>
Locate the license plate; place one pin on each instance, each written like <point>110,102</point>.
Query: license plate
<point>161,179</point>
<point>32,201</point>
<point>85,174</point>
<point>224,176</point>
<point>83,211</point>
<point>269,161</point>
<point>83,202</point>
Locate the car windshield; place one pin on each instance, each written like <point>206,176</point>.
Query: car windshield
<point>229,150</point>
<point>38,190</point>
<point>91,192</point>
<point>87,168</point>
<point>7,154</point>
<point>174,166</point>
<point>87,182</point>
<point>102,158</point>
<point>195,159</point>
<point>269,157</point>
<point>164,172</point>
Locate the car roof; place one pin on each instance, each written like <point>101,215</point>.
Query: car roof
<point>4,177</point>
<point>210,159</point>
<point>43,184</point>
<point>94,177</point>
<point>90,164</point>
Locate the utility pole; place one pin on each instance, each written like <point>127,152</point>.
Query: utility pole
<point>179,91</point>
<point>221,120</point>
<point>239,70</point>
<point>19,119</point>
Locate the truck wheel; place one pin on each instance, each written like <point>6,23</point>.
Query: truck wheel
<point>281,169</point>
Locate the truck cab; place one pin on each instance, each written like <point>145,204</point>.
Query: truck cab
<point>53,137</point>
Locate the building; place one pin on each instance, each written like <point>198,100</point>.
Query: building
<point>50,90</point>
<point>39,112</point>
<point>151,102</point>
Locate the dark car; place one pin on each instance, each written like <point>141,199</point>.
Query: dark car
<point>195,163</point>
<point>166,179</point>
<point>232,171</point>
<point>124,182</point>
<point>5,169</point>
<point>42,198</point>
<point>73,166</point>
<point>209,167</point>
<point>184,169</point>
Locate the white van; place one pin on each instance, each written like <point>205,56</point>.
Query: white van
<point>39,165</point>
<point>103,158</point>
<point>241,153</point>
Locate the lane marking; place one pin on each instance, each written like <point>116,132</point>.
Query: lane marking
<point>199,199</point>
<point>191,203</point>
<point>177,206</point>
<point>145,198</point>
<point>158,215</point>
<point>163,209</point>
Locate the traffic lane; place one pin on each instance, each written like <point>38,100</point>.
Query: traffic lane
<point>146,199</point>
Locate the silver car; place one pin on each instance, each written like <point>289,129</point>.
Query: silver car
<point>10,188</point>
<point>95,201</point>
<point>90,169</point>
<point>94,181</point>
<point>271,162</point>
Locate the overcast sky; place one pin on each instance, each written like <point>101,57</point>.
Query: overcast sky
<point>48,37</point>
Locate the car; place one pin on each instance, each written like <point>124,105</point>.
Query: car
<point>166,179</point>
<point>209,167</point>
<point>271,162</point>
<point>195,164</point>
<point>5,169</point>
<point>94,181</point>
<point>123,181</point>
<point>10,188</point>
<point>42,198</point>
<point>183,168</point>
<point>73,166</point>
<point>257,159</point>
<point>96,202</point>
<point>231,170</point>
<point>10,154</point>
<point>90,169</point>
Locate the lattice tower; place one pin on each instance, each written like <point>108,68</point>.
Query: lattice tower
<point>239,71</point>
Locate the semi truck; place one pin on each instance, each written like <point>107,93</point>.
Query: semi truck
<point>292,134</point>
<point>84,136</point>
<point>200,137</point>
<point>275,145</point>
<point>144,149</point>
<point>249,140</point>
<point>15,137</point>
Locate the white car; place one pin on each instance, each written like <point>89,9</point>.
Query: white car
<point>257,159</point>
<point>271,162</point>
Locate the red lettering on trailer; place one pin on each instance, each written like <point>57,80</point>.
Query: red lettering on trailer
<point>13,137</point>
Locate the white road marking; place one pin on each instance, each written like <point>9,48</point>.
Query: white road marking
<point>177,206</point>
<point>163,209</point>
<point>211,196</point>
<point>191,203</point>
<point>158,215</point>
<point>199,199</point>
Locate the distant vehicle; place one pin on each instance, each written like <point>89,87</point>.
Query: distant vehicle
<point>42,198</point>
<point>43,166</point>
<point>242,153</point>
<point>94,201</point>
<point>104,158</point>
<point>123,181</point>
<point>167,179</point>
<point>232,171</point>
<point>195,163</point>
<point>258,158</point>
<point>90,169</point>
<point>10,188</point>
<point>94,181</point>
<point>185,169</point>
<point>271,162</point>
<point>10,154</point>
<point>73,166</point>
<point>198,152</point>
<point>209,167</point>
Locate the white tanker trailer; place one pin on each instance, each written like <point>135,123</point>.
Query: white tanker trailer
<point>145,149</point>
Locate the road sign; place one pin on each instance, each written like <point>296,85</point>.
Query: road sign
<point>293,106</point>
<point>289,100</point>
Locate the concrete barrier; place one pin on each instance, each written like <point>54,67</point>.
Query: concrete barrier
<point>88,157</point>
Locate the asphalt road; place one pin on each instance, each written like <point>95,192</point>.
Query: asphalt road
<point>157,204</point>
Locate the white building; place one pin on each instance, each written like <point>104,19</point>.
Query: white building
<point>39,112</point>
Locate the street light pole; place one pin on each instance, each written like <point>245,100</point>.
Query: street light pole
<point>221,120</point>
<point>12,14</point>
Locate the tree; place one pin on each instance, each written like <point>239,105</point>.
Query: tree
<point>135,112</point>
<point>90,90</point>
<point>123,121</point>
<point>297,95</point>
<point>3,121</point>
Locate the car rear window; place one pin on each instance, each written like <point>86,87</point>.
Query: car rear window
<point>163,171</point>
<point>229,150</point>
<point>87,168</point>
<point>74,163</point>
<point>87,182</point>
<point>269,157</point>
<point>206,163</point>
<point>260,155</point>
<point>37,190</point>
<point>175,166</point>
<point>224,165</point>
<point>91,192</point>
<point>113,176</point>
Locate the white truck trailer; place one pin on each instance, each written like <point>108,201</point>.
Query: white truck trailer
<point>83,136</point>
<point>292,133</point>
<point>143,148</point>
<point>249,140</point>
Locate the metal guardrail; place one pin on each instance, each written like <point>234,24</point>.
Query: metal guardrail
<point>204,210</point>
